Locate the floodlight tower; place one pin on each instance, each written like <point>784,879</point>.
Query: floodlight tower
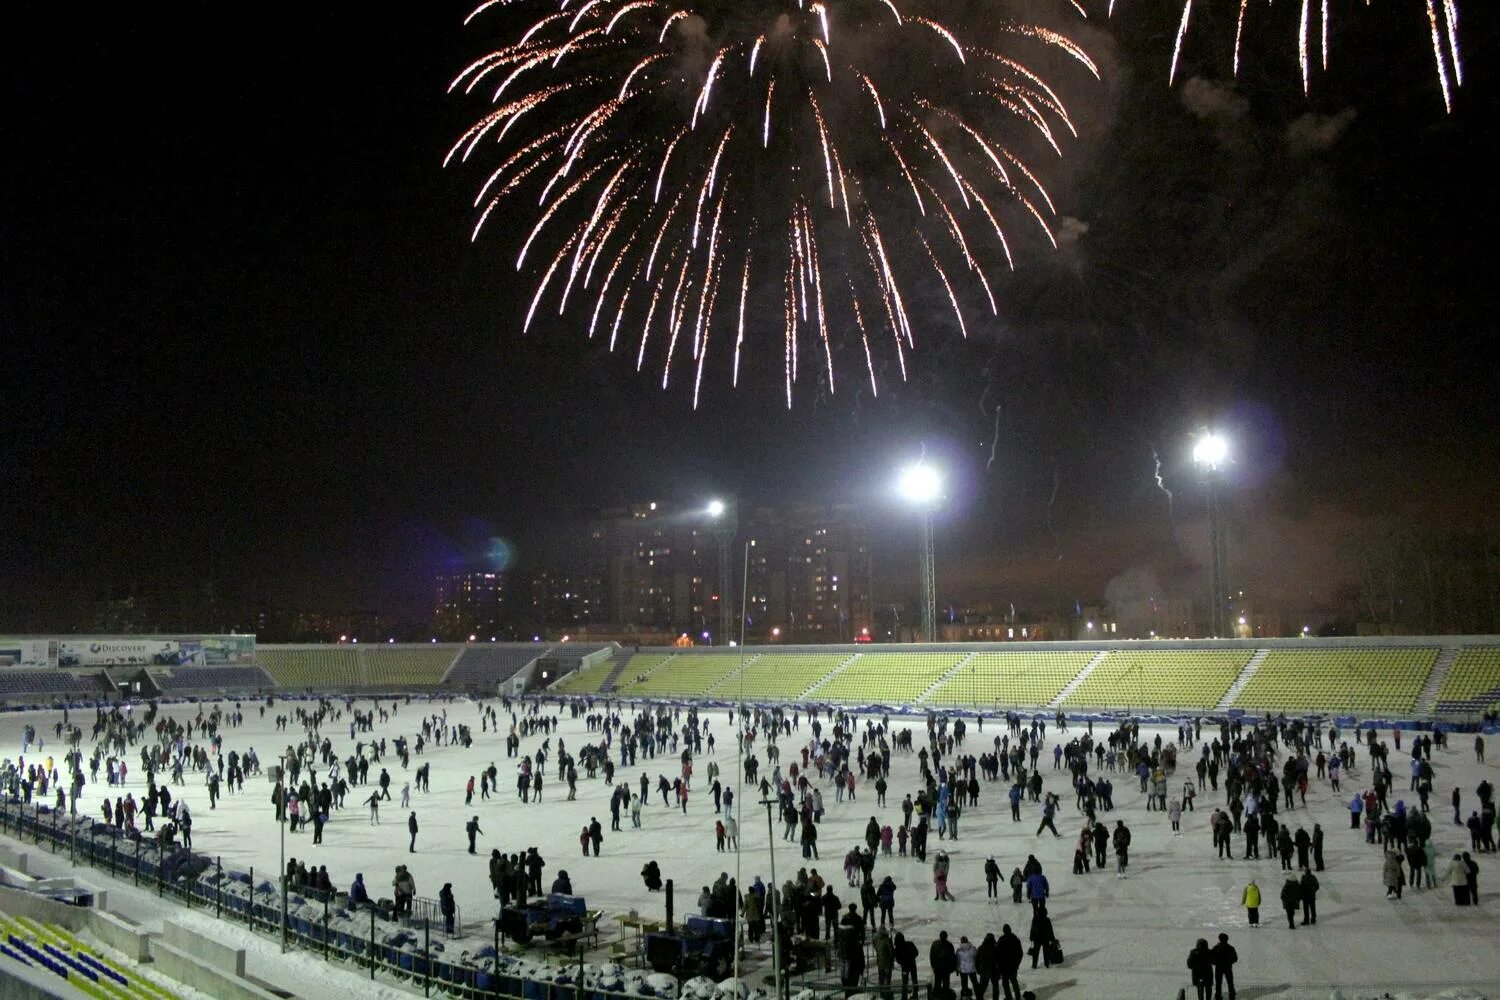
<point>726,524</point>
<point>1211,454</point>
<point>921,485</point>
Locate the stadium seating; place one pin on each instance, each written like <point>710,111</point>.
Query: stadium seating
<point>683,675</point>
<point>51,949</point>
<point>779,675</point>
<point>1361,681</point>
<point>399,666</point>
<point>323,667</point>
<point>1011,679</point>
<point>212,678</point>
<point>887,678</point>
<point>590,680</point>
<point>1160,679</point>
<point>1472,685</point>
<point>14,683</point>
<point>487,665</point>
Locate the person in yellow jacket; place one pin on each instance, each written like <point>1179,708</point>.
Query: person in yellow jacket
<point>1252,902</point>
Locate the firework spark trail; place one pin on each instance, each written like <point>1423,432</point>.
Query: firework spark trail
<point>1302,33</point>
<point>1182,27</point>
<point>1156,460</point>
<point>1442,26</point>
<point>614,125</point>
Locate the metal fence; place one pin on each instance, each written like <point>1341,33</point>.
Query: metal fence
<point>409,950</point>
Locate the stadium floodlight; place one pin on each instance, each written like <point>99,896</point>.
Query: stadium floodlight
<point>1210,450</point>
<point>725,515</point>
<point>1210,454</point>
<point>919,484</point>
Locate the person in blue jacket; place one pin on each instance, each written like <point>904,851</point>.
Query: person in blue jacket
<point>357,895</point>
<point>1037,890</point>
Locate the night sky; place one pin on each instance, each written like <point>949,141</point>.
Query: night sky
<point>247,339</point>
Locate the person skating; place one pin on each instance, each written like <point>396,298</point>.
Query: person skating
<point>473,830</point>
<point>1010,954</point>
<point>1291,900</point>
<point>1122,848</point>
<point>967,957</point>
<point>1017,884</point>
<point>1309,898</point>
<point>942,959</point>
<point>940,867</point>
<point>596,834</point>
<point>447,906</point>
<point>991,880</point>
<point>1200,963</point>
<point>1250,899</point>
<point>1225,958</point>
<point>1049,812</point>
<point>1041,937</point>
<point>411,827</point>
<point>987,967</point>
<point>1037,890</point>
<point>906,961</point>
<point>1391,874</point>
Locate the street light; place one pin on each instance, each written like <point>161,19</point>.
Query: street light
<point>921,485</point>
<point>1210,454</point>
<point>726,525</point>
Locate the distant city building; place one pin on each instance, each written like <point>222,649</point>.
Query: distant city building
<point>471,604</point>
<point>655,567</point>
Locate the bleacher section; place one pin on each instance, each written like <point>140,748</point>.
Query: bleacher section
<point>402,666</point>
<point>52,949</point>
<point>213,678</point>
<point>1011,679</point>
<point>485,666</point>
<point>685,674</point>
<point>1358,681</point>
<point>18,682</point>
<point>590,680</point>
<point>321,667</point>
<point>888,678</point>
<point>1160,678</point>
<point>1472,685</point>
<point>779,675</point>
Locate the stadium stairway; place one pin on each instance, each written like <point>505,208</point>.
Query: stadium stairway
<point>1243,679</point>
<point>1083,674</point>
<point>364,668</point>
<point>1427,700</point>
<point>616,668</point>
<point>831,675</point>
<point>932,688</point>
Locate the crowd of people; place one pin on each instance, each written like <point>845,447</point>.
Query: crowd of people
<point>794,759</point>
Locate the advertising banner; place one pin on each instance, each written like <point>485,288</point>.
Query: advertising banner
<point>145,651</point>
<point>28,653</point>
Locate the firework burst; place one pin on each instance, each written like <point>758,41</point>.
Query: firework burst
<point>644,153</point>
<point>1313,25</point>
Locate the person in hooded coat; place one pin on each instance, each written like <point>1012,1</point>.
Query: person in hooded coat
<point>987,965</point>
<point>906,960</point>
<point>448,907</point>
<point>357,895</point>
<point>1010,954</point>
<point>1200,963</point>
<point>1390,872</point>
<point>1041,936</point>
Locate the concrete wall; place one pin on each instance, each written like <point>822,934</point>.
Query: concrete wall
<point>221,956</point>
<point>20,983</point>
<point>119,934</point>
<point>186,969</point>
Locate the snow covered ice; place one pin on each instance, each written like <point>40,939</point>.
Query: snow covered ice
<point>1122,938</point>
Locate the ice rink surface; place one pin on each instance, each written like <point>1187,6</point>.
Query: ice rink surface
<point>1122,938</point>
